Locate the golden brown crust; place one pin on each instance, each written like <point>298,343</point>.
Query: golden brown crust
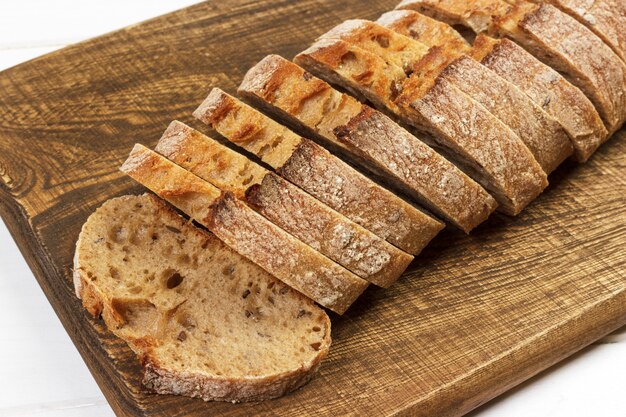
<point>548,89</point>
<point>499,160</point>
<point>290,208</point>
<point>247,232</point>
<point>382,146</point>
<point>371,206</point>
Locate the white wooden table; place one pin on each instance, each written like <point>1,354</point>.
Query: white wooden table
<point>41,372</point>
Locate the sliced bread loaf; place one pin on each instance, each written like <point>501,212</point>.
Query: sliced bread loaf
<point>247,232</point>
<point>464,130</point>
<point>544,86</point>
<point>543,136</point>
<point>282,87</point>
<point>550,35</point>
<point>204,321</point>
<point>605,18</point>
<point>319,173</point>
<point>286,205</point>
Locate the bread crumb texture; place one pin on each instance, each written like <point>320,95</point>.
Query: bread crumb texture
<point>204,321</point>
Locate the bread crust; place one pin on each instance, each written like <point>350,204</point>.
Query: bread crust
<point>247,232</point>
<point>553,37</point>
<point>286,205</point>
<point>377,142</point>
<point>464,130</point>
<point>157,376</point>
<point>323,175</point>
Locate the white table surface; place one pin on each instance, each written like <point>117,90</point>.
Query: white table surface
<point>41,372</point>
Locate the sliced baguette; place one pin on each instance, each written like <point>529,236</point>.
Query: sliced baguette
<point>464,130</point>
<point>605,18</point>
<point>247,232</point>
<point>550,35</point>
<point>283,88</point>
<point>543,136</point>
<point>319,173</point>
<point>544,86</point>
<point>204,321</point>
<point>286,205</point>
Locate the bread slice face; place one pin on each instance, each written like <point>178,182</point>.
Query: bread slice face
<point>464,130</point>
<point>204,321</point>
<point>543,136</point>
<point>319,173</point>
<point>553,37</point>
<point>247,232</point>
<point>605,18</point>
<point>548,89</point>
<point>380,144</point>
<point>286,205</point>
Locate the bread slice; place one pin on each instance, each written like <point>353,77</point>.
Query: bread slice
<point>319,173</point>
<point>247,232</point>
<point>204,321</point>
<point>462,129</point>
<point>605,18</point>
<point>286,205</point>
<point>544,86</point>
<point>548,89</point>
<point>553,37</point>
<point>282,88</point>
<point>543,136</point>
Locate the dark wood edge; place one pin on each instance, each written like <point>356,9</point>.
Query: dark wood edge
<point>71,315</point>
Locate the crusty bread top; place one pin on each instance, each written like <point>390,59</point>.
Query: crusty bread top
<point>379,144</point>
<point>226,169</point>
<point>547,88</point>
<point>287,206</point>
<point>216,110</point>
<point>424,29</point>
<point>205,321</point>
<point>606,18</point>
<point>329,179</point>
<point>247,232</point>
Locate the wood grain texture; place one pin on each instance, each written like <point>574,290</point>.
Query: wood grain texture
<point>473,316</point>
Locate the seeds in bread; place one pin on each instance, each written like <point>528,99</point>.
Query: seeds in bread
<point>286,205</point>
<point>204,321</point>
<point>247,232</point>
<point>418,170</point>
<point>466,132</point>
<point>321,174</point>
<point>550,35</point>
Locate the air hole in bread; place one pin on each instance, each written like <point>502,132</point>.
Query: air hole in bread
<point>114,273</point>
<point>245,294</point>
<point>263,150</point>
<point>277,142</point>
<point>248,180</point>
<point>228,270</point>
<point>316,345</point>
<point>155,236</point>
<point>184,259</point>
<point>348,58</point>
<point>382,40</point>
<point>316,328</point>
<point>174,280</point>
<point>118,234</point>
<point>172,229</point>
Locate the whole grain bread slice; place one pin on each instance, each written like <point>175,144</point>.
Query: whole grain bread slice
<point>283,88</point>
<point>462,129</point>
<point>545,87</point>
<point>286,205</point>
<point>247,232</point>
<point>550,35</point>
<point>321,174</point>
<point>543,136</point>
<point>204,321</point>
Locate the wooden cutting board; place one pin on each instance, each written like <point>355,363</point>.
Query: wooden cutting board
<point>474,315</point>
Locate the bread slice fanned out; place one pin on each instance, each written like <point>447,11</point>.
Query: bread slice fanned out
<point>204,321</point>
<point>246,231</point>
<point>287,206</point>
<point>320,173</point>
<point>461,128</point>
